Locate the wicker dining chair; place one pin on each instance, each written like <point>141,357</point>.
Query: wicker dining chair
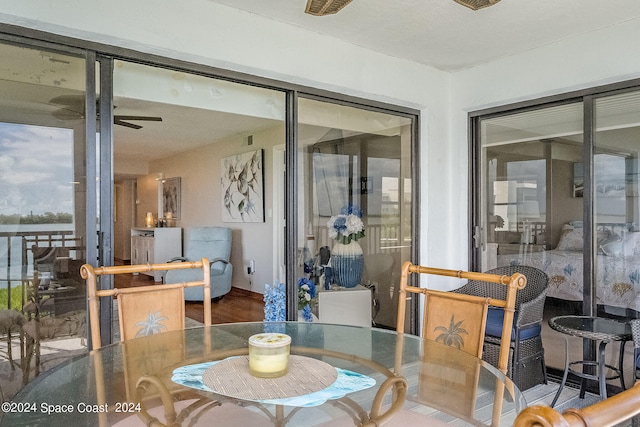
<point>144,309</point>
<point>457,319</point>
<point>526,356</point>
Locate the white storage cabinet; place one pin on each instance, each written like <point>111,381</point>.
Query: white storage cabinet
<point>155,245</point>
<point>345,306</point>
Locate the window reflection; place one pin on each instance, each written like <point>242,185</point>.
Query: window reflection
<point>616,205</point>
<point>529,203</point>
<point>356,158</point>
<point>42,214</point>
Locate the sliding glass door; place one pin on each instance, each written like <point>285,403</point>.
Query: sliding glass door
<point>531,203</point>
<point>43,215</point>
<point>558,190</point>
<point>616,200</point>
<point>195,151</point>
<point>96,149</point>
<point>354,196</point>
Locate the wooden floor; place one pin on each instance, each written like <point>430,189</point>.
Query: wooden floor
<point>239,305</point>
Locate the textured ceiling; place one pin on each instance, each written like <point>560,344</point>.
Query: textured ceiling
<point>446,35</point>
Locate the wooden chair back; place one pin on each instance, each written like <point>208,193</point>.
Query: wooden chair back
<point>145,310</point>
<point>613,411</point>
<point>458,319</point>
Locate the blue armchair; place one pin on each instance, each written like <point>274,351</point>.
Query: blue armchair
<point>213,243</point>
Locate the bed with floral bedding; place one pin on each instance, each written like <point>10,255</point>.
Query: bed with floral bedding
<point>617,269</point>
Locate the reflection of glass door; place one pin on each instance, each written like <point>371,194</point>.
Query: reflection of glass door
<point>617,204</point>
<point>528,205</point>
<point>43,197</point>
<point>352,163</point>
<point>551,201</point>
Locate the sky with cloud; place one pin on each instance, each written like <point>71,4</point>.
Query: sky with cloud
<point>36,169</point>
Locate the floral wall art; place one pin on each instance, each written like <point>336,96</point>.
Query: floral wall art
<point>243,187</point>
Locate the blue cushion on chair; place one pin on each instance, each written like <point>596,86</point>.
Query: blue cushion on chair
<point>495,317</point>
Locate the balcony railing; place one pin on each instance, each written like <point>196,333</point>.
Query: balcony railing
<point>379,238</point>
<point>16,255</point>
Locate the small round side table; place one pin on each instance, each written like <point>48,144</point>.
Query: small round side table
<point>595,329</point>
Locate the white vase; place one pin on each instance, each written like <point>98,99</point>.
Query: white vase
<point>347,263</point>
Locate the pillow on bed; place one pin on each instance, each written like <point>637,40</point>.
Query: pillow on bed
<point>613,248</point>
<point>571,239</point>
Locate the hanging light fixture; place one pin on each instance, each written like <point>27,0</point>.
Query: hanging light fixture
<point>477,4</point>
<point>325,7</point>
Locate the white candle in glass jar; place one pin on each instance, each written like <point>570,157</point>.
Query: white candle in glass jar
<point>269,355</point>
<point>149,219</point>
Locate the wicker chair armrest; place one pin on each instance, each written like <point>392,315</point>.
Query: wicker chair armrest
<point>530,312</point>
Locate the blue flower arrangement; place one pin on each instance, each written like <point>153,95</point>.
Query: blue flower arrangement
<point>346,226</point>
<point>306,294</point>
<point>275,309</point>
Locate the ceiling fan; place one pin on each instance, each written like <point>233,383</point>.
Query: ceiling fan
<point>476,4</point>
<point>329,7</point>
<point>74,109</point>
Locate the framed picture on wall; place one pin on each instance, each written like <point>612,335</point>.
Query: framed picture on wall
<point>243,187</point>
<point>170,202</point>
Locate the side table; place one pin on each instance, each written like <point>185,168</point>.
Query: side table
<point>595,329</point>
<point>346,306</point>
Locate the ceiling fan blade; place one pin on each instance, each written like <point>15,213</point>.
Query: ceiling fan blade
<point>126,124</point>
<point>325,7</point>
<point>66,114</point>
<point>69,100</point>
<point>476,4</point>
<point>75,110</point>
<point>142,118</point>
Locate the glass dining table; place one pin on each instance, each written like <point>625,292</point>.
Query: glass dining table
<point>338,375</point>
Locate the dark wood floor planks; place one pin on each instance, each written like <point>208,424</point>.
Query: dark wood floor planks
<point>239,305</point>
